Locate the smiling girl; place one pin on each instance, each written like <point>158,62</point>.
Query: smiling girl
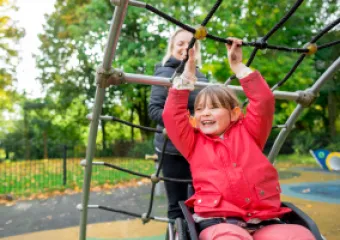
<point>237,190</point>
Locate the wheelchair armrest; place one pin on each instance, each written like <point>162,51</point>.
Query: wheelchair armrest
<point>297,216</point>
<point>190,221</point>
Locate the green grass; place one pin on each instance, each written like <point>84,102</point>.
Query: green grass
<point>297,159</point>
<point>38,176</point>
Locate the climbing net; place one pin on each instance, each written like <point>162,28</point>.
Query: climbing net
<point>107,77</point>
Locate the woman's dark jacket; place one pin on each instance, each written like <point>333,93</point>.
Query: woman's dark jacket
<point>157,101</point>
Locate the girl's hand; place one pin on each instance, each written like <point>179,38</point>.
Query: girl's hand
<point>235,54</point>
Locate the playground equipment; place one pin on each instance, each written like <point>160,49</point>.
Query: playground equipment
<point>329,161</point>
<point>107,76</point>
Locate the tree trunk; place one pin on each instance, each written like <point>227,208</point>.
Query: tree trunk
<point>132,128</point>
<point>27,142</point>
<point>45,145</point>
<point>103,123</point>
<point>331,114</point>
<point>7,152</point>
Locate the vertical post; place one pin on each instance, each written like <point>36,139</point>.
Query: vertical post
<point>281,138</point>
<point>110,50</point>
<point>64,165</point>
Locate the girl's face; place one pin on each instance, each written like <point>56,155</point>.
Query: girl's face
<point>213,120</point>
<point>180,44</point>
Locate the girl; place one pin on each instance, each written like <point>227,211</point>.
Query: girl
<point>237,191</point>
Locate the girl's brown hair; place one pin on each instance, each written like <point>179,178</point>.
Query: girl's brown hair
<point>221,96</point>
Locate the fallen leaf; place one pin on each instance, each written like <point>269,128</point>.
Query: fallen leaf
<point>307,190</point>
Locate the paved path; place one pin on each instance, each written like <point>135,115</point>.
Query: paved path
<point>35,219</point>
<point>60,212</point>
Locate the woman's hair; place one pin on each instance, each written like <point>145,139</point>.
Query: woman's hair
<point>198,57</point>
<point>221,96</point>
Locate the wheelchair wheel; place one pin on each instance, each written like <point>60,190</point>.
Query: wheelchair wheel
<point>180,229</point>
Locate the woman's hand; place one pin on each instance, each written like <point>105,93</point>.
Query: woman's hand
<point>188,78</point>
<point>190,66</point>
<point>235,55</point>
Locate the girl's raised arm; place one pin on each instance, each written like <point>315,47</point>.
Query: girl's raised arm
<point>260,111</point>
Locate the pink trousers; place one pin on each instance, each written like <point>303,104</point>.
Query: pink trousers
<point>227,231</point>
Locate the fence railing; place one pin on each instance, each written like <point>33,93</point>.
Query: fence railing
<point>25,177</point>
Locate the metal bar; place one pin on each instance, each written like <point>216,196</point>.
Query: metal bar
<point>116,25</point>
<point>281,138</point>
<point>131,3</point>
<point>161,81</point>
<point>298,110</point>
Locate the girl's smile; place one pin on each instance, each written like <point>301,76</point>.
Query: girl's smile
<point>212,118</point>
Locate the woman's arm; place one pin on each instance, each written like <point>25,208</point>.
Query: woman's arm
<point>158,95</point>
<point>156,104</point>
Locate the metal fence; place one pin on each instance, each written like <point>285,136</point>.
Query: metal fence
<point>34,176</point>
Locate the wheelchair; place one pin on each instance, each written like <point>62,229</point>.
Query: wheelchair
<point>187,229</point>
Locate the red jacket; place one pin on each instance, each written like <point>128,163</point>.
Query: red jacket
<point>231,176</point>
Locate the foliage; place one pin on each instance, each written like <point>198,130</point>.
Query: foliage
<point>10,34</point>
<point>73,44</point>
<point>140,149</point>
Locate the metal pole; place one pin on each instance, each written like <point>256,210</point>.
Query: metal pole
<point>298,110</point>
<point>131,3</point>
<point>281,138</point>
<point>161,81</point>
<point>116,25</point>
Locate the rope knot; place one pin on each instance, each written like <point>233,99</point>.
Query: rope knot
<point>261,44</point>
<point>312,48</point>
<point>200,32</point>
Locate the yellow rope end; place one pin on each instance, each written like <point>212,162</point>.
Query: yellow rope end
<point>312,47</point>
<point>200,33</point>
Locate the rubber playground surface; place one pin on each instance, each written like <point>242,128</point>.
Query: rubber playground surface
<point>314,191</point>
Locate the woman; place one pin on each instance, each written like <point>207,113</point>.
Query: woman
<point>174,165</point>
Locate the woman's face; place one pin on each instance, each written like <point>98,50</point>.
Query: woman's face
<point>180,44</point>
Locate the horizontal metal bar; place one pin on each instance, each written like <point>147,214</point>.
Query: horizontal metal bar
<point>131,3</point>
<point>161,219</point>
<point>161,81</point>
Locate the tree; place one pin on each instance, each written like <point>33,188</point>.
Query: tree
<point>75,36</point>
<point>10,34</point>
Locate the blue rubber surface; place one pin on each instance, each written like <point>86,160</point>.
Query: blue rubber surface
<point>328,192</point>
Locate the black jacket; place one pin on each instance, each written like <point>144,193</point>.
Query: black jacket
<point>157,101</point>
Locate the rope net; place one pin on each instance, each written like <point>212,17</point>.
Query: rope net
<point>201,33</point>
